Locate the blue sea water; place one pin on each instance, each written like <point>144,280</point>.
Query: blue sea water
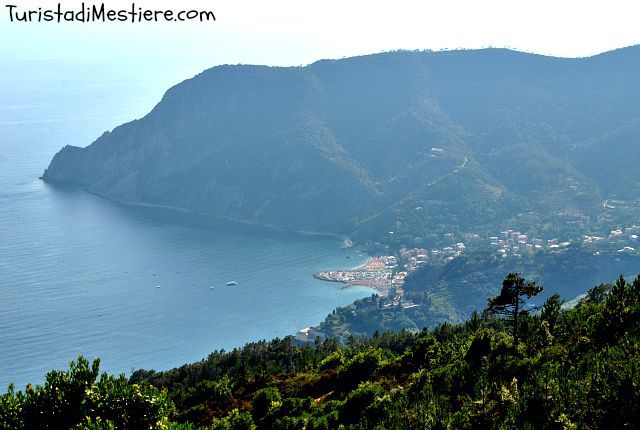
<point>138,288</point>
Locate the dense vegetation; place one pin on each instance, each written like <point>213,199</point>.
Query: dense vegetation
<point>450,291</point>
<point>419,143</point>
<point>577,368</point>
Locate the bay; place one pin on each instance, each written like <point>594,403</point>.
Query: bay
<point>137,287</point>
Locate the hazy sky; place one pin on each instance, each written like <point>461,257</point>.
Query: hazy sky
<point>293,32</point>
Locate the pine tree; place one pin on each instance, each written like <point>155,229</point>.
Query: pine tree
<point>511,300</point>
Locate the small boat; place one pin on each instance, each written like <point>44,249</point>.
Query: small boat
<point>347,244</point>
<point>232,283</point>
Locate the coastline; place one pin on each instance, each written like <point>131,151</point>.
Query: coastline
<point>375,274</point>
<point>239,221</point>
<point>363,259</point>
<point>311,302</point>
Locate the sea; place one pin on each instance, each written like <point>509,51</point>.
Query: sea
<point>136,287</point>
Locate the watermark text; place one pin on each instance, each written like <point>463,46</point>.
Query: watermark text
<point>101,13</point>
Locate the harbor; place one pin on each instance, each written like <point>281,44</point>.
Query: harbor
<point>377,273</point>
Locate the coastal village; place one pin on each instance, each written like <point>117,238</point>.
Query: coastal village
<point>382,274</point>
<point>513,243</point>
<point>386,276</point>
<point>624,240</point>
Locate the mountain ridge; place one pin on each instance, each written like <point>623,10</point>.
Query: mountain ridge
<point>353,146</point>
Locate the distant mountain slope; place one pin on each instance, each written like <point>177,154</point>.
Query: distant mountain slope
<point>354,146</point>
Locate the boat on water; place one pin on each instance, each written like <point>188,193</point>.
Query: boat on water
<point>347,244</point>
<point>232,283</point>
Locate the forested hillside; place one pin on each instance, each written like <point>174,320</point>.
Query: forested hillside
<point>554,369</point>
<point>421,143</point>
